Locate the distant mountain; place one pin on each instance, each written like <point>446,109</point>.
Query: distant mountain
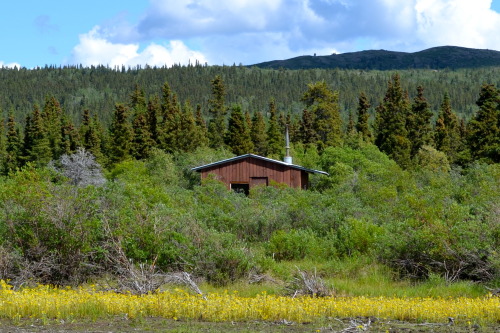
<point>452,57</point>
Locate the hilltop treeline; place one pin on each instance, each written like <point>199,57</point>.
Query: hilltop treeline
<point>100,88</point>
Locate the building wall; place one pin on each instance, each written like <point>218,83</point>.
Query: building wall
<point>242,171</point>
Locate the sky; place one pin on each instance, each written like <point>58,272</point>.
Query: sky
<point>225,32</point>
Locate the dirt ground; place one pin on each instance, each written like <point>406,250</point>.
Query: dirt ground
<point>164,325</point>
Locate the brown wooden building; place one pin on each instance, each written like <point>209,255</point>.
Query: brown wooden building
<point>243,172</point>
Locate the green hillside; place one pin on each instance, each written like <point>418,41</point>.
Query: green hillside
<point>442,57</point>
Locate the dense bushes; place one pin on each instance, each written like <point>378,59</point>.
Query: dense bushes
<point>418,222</point>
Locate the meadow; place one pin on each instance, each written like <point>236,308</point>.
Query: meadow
<point>47,304</point>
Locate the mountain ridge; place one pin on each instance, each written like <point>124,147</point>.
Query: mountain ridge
<point>441,57</point>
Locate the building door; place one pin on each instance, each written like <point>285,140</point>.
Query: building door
<point>256,181</point>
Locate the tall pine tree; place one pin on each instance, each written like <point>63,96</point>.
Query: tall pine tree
<point>484,129</point>
<point>237,137</point>
<point>37,147</point>
<point>121,135</point>
<point>447,131</point>
<point>418,122</point>
<point>390,123</point>
<point>275,138</point>
<point>13,146</point>
<point>217,110</point>
<point>324,104</point>
<point>362,124</point>
<point>258,134</point>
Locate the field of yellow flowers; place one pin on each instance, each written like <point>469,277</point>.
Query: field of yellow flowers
<point>47,303</point>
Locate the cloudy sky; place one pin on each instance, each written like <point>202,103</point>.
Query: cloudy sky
<point>164,32</point>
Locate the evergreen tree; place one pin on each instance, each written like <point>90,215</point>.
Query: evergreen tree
<point>37,145</point>
<point>362,124</point>
<point>52,118</point>
<point>258,134</point>
<point>392,136</point>
<point>91,136</point>
<point>447,131</point>
<point>323,103</point>
<point>248,120</point>
<point>137,101</point>
<point>217,110</point>
<point>351,126</point>
<point>191,134</point>
<point>153,117</point>
<point>13,146</point>
<point>171,126</point>
<point>202,126</point>
<point>418,122</point>
<point>238,135</point>
<point>484,129</point>
<point>70,139</point>
<point>275,138</point>
<point>3,140</point>
<point>121,135</point>
<point>307,133</point>
<point>142,141</point>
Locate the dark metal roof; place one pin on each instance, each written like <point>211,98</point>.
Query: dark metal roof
<point>293,166</point>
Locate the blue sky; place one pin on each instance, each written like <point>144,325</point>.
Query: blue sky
<point>164,32</point>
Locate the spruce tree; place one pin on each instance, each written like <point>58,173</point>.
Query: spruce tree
<point>121,135</point>
<point>418,123</point>
<point>13,146</point>
<point>275,138</point>
<point>324,104</point>
<point>91,136</point>
<point>217,110</point>
<point>447,131</point>
<point>484,129</point>
<point>390,122</point>
<point>237,137</point>
<point>3,140</point>
<point>202,126</point>
<point>37,145</point>
<point>171,126</point>
<point>142,141</point>
<point>153,118</point>
<point>307,133</point>
<point>362,124</point>
<point>52,118</point>
<point>258,134</point>
<point>191,134</point>
<point>70,139</point>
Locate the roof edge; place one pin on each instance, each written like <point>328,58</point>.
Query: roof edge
<point>240,157</point>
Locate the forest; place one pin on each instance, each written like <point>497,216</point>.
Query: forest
<point>96,173</point>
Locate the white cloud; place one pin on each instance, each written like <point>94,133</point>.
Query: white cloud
<point>458,22</point>
<point>95,49</point>
<point>251,31</point>
<point>9,65</point>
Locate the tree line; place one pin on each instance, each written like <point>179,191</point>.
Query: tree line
<point>404,129</point>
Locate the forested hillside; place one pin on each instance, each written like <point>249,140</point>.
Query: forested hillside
<point>451,57</point>
<point>99,88</point>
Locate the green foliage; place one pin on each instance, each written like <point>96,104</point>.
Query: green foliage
<point>484,129</point>
<point>390,123</point>
<point>293,245</point>
<point>362,124</point>
<point>238,134</point>
<point>447,132</point>
<point>121,135</point>
<point>258,133</point>
<point>323,104</point>
<point>275,138</point>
